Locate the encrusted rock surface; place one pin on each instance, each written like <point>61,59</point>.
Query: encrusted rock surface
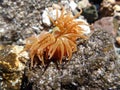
<point>106,8</point>
<point>12,66</point>
<point>93,67</point>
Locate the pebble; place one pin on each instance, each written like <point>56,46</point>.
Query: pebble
<point>52,13</point>
<point>117,7</point>
<point>72,5</point>
<point>86,27</point>
<point>83,4</point>
<point>118,40</point>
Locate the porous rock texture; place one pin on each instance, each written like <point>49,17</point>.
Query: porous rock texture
<point>93,67</point>
<point>12,65</point>
<point>20,19</point>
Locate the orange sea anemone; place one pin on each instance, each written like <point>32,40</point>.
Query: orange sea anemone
<point>58,44</point>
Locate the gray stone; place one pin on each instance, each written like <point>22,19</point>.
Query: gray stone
<point>93,67</point>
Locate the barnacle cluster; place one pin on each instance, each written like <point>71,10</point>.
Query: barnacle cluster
<point>58,44</point>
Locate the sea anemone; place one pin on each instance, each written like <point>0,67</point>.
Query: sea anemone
<point>60,43</point>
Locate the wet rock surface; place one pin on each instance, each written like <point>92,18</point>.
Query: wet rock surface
<point>92,67</point>
<point>95,66</point>
<point>20,19</point>
<point>11,67</point>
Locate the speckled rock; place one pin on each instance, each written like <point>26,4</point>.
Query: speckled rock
<point>106,8</point>
<point>12,64</point>
<point>93,67</point>
<point>20,16</point>
<point>117,12</point>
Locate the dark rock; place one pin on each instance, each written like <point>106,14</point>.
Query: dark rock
<point>90,13</point>
<point>97,3</point>
<point>93,67</point>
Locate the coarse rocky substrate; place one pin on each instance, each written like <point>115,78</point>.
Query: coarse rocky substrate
<point>93,67</point>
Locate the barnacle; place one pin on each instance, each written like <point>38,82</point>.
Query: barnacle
<point>58,44</point>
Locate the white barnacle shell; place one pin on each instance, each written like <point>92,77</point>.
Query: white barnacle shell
<point>53,13</point>
<point>72,5</point>
<point>45,18</point>
<point>85,26</point>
